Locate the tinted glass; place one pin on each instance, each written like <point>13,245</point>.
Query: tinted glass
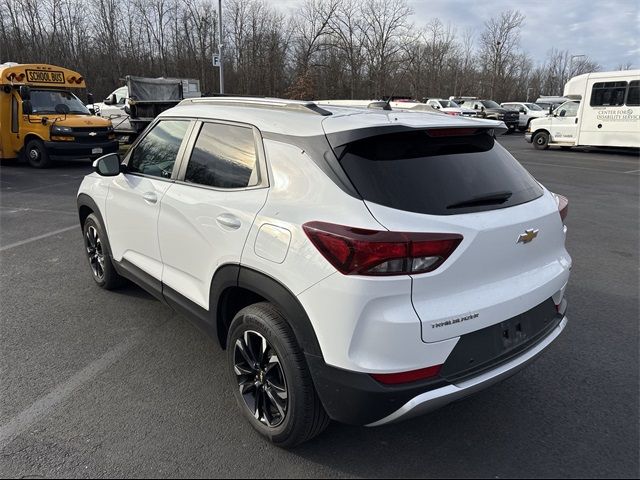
<point>224,156</point>
<point>156,154</point>
<point>533,106</point>
<point>570,109</point>
<point>415,172</point>
<point>608,94</point>
<point>633,97</point>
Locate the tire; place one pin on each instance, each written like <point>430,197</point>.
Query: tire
<point>36,154</point>
<point>293,413</point>
<point>541,140</point>
<point>96,247</point>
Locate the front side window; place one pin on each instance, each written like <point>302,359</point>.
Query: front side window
<point>608,94</point>
<point>15,126</point>
<point>533,106</point>
<point>156,153</point>
<point>224,156</point>
<point>568,109</point>
<point>121,95</point>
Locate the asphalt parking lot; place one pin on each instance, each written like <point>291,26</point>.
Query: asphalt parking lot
<point>105,384</point>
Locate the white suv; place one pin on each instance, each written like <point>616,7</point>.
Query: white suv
<point>358,265</point>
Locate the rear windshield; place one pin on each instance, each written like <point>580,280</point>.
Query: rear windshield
<point>438,175</point>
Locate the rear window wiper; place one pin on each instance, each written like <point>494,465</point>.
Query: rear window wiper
<point>489,199</point>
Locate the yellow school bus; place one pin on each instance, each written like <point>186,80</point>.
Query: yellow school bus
<point>42,120</point>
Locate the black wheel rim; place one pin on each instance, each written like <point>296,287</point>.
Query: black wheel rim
<point>261,379</point>
<point>94,252</point>
<point>34,154</point>
<point>541,140</point>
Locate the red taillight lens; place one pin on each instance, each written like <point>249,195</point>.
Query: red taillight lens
<point>407,377</point>
<point>356,251</point>
<point>563,205</point>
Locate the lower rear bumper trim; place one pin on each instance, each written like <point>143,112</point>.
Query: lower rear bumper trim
<point>439,397</point>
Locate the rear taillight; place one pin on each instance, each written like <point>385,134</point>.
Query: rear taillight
<point>563,205</point>
<point>356,251</point>
<point>407,377</point>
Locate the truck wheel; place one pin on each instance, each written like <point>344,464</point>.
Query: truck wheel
<point>541,140</point>
<point>270,377</point>
<point>36,154</point>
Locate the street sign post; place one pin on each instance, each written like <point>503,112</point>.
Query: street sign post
<point>216,60</point>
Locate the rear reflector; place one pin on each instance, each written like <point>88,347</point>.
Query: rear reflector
<point>407,377</point>
<point>356,251</point>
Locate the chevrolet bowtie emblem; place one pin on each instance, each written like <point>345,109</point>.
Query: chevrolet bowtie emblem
<point>528,235</point>
<point>92,134</point>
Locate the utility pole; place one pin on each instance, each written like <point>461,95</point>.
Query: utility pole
<point>220,46</point>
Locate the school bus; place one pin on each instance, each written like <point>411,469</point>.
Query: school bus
<point>42,120</point>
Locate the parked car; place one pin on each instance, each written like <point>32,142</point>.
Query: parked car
<point>491,110</point>
<point>450,107</point>
<point>550,102</point>
<point>528,111</point>
<point>360,265</point>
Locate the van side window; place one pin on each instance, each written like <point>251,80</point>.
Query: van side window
<point>224,156</point>
<point>633,97</point>
<point>608,94</point>
<point>156,153</point>
<point>15,127</point>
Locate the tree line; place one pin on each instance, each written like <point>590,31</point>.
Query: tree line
<point>364,49</point>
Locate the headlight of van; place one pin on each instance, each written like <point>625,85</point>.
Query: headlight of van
<point>58,130</point>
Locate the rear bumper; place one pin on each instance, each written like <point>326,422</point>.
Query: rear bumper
<point>357,399</point>
<point>73,150</point>
<point>439,397</point>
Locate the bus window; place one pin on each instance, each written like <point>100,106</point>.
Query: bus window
<point>608,94</point>
<point>633,97</point>
<point>14,115</point>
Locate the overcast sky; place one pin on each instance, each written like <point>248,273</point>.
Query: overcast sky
<point>608,31</point>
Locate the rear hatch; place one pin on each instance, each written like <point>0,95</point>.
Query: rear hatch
<point>461,181</point>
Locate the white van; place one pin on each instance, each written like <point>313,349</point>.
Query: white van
<point>604,112</point>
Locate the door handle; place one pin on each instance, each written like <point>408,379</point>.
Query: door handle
<point>576,120</point>
<point>150,197</point>
<point>229,221</point>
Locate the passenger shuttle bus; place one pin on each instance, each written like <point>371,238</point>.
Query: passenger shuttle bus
<point>603,111</point>
<point>42,120</point>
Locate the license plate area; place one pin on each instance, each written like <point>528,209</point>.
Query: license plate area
<point>95,151</point>
<point>487,348</point>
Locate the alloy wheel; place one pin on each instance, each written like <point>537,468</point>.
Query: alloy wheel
<point>95,252</point>
<point>261,379</point>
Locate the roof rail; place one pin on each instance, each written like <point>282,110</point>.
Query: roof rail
<point>296,105</point>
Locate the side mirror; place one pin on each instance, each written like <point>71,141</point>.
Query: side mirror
<point>550,109</point>
<point>475,107</point>
<point>25,92</point>
<point>111,100</point>
<point>563,113</point>
<point>522,110</point>
<point>27,108</point>
<point>90,98</point>
<point>108,165</point>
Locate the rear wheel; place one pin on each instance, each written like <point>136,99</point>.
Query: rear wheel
<point>270,377</point>
<point>36,154</point>
<point>541,140</point>
<point>97,250</point>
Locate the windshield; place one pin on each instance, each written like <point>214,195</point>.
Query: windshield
<point>532,106</point>
<point>448,104</point>
<point>45,101</point>
<point>490,104</point>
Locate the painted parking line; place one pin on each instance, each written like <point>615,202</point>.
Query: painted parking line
<point>633,171</point>
<point>37,210</point>
<point>524,162</point>
<point>41,407</point>
<point>39,237</point>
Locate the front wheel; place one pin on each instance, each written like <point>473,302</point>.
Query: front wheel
<point>541,140</point>
<point>270,377</point>
<point>97,250</point>
<point>36,154</point>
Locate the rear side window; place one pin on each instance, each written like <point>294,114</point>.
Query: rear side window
<point>156,153</point>
<point>608,94</point>
<point>633,97</point>
<point>438,175</point>
<point>224,156</point>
